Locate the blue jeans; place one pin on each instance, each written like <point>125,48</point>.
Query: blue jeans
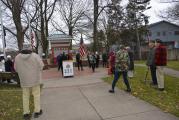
<point>117,74</point>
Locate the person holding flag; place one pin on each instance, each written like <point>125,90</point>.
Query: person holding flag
<point>80,54</point>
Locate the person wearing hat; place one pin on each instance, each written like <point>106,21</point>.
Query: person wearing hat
<point>151,61</point>
<point>121,68</point>
<point>160,62</point>
<point>29,66</point>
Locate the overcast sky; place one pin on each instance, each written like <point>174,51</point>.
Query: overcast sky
<point>153,12</point>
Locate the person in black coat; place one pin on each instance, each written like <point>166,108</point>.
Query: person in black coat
<point>79,61</point>
<point>9,66</point>
<point>131,62</point>
<point>97,59</point>
<point>64,57</point>
<point>59,61</point>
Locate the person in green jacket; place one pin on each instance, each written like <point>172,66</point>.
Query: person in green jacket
<point>121,68</point>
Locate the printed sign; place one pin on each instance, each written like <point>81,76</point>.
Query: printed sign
<point>68,68</point>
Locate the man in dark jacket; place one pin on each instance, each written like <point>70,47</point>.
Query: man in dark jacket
<point>131,62</point>
<point>104,58</point>
<point>151,62</point>
<point>9,66</point>
<point>79,61</point>
<point>160,62</point>
<point>59,61</point>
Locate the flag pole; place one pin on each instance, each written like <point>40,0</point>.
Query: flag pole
<point>2,35</point>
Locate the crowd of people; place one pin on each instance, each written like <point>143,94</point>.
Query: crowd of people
<point>29,65</point>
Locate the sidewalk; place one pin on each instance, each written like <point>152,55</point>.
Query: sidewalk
<point>87,98</point>
<point>168,71</point>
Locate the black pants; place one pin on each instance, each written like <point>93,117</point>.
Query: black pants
<point>153,74</point>
<point>79,64</point>
<point>59,67</point>
<point>93,65</point>
<point>97,63</point>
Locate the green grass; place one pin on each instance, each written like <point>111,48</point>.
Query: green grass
<point>11,102</point>
<point>170,64</point>
<point>173,64</point>
<point>167,100</point>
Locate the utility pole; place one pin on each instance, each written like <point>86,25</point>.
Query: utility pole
<point>2,34</point>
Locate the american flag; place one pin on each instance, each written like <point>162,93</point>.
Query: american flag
<point>82,48</point>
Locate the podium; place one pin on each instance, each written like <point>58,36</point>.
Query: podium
<point>68,68</point>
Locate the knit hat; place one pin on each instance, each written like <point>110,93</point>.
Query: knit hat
<point>27,46</point>
<point>9,57</point>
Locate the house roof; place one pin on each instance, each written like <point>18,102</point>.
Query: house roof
<point>59,37</point>
<point>163,21</point>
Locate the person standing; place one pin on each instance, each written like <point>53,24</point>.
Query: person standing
<point>79,61</point>
<point>59,61</point>
<point>112,58</point>
<point>151,62</point>
<point>9,66</point>
<point>92,58</point>
<point>88,57</point>
<point>104,58</point>
<point>97,59</point>
<point>160,62</point>
<point>131,62</point>
<point>121,68</point>
<point>29,66</point>
<point>64,57</point>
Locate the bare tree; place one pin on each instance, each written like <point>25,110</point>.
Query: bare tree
<point>19,15</point>
<point>16,7</point>
<point>71,13</point>
<point>171,13</point>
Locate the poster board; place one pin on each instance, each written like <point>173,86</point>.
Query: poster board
<point>68,68</point>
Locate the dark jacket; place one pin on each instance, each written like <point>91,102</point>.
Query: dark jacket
<point>131,60</point>
<point>78,57</point>
<point>8,65</point>
<point>151,57</point>
<point>161,56</point>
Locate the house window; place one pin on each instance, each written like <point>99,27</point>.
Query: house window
<point>176,33</point>
<point>164,33</point>
<point>158,33</point>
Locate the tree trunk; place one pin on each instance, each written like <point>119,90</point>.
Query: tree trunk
<point>71,34</point>
<point>95,24</point>
<point>44,46</point>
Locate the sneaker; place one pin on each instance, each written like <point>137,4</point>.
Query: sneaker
<point>37,114</point>
<point>26,116</point>
<point>111,91</point>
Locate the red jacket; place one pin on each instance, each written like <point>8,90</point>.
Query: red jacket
<point>161,56</point>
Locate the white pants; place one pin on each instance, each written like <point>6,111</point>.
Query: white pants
<point>160,76</point>
<point>26,91</point>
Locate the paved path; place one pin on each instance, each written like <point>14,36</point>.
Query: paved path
<point>168,71</point>
<point>87,98</point>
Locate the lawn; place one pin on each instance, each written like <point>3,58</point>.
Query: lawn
<point>11,102</point>
<point>167,100</point>
<point>173,65</point>
<point>170,64</point>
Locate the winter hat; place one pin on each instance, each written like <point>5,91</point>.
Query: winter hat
<point>27,46</point>
<point>9,57</point>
